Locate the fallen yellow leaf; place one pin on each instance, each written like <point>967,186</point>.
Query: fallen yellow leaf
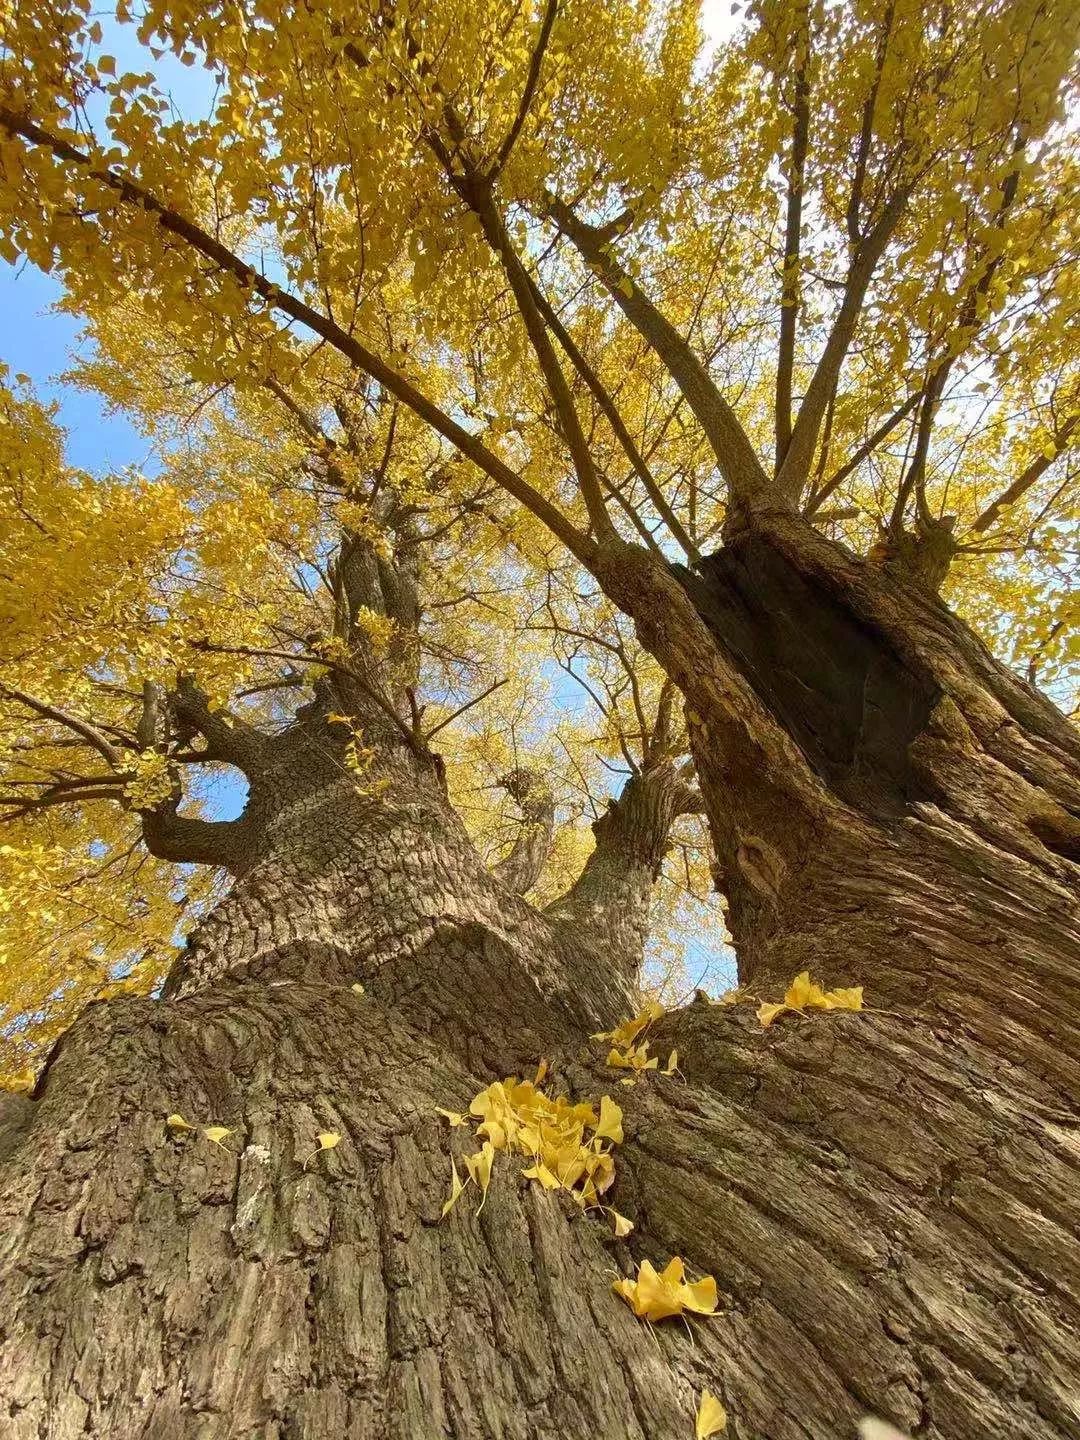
<point>456,1187</point>
<point>768,1013</point>
<point>659,1296</point>
<point>540,1172</point>
<point>479,1167</point>
<point>216,1133</point>
<point>452,1115</point>
<point>327,1140</point>
<point>178,1123</point>
<point>806,994</point>
<point>610,1126</point>
<point>711,1417</point>
<point>621,1224</point>
<point>850,999</point>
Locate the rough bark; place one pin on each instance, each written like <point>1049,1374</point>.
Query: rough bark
<point>887,1200</point>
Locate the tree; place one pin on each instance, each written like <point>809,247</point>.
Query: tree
<point>811,301</point>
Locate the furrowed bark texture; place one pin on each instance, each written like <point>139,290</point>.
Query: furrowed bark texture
<point>887,1199</point>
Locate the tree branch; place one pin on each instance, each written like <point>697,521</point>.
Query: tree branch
<point>789,294</point>
<point>462,708</point>
<point>186,840</point>
<point>228,738</point>
<point>1026,479</point>
<point>521,869</point>
<point>476,191</point>
<point>89,732</point>
<point>532,79</point>
<point>864,451</point>
<point>622,434</point>
<point>793,473</point>
<point>738,462</point>
<point>609,902</point>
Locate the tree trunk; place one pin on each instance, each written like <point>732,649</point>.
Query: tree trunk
<point>887,1199</point>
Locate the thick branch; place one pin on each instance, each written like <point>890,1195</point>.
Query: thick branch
<point>228,738</point>
<point>609,902</point>
<point>520,870</point>
<point>188,841</point>
<point>738,462</point>
<point>796,467</point>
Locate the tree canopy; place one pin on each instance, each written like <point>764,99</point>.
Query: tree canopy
<point>478,289</point>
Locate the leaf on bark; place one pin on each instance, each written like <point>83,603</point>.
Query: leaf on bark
<point>662,1295</point>
<point>711,1417</point>
<point>806,994</point>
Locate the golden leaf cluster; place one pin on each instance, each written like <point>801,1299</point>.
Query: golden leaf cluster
<point>569,1144</point>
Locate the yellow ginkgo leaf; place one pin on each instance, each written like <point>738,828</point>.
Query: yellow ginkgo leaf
<point>216,1133</point>
<point>700,1296</point>
<point>672,1063</point>
<point>456,1187</point>
<point>805,993</point>
<point>649,1296</point>
<point>621,1225</point>
<point>850,999</point>
<point>711,1417</point>
<point>659,1296</point>
<point>357,989</point>
<point>540,1172</point>
<point>452,1115</point>
<point>177,1123</point>
<point>610,1126</point>
<point>327,1140</point>
<point>541,1072</point>
<point>479,1167</point>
